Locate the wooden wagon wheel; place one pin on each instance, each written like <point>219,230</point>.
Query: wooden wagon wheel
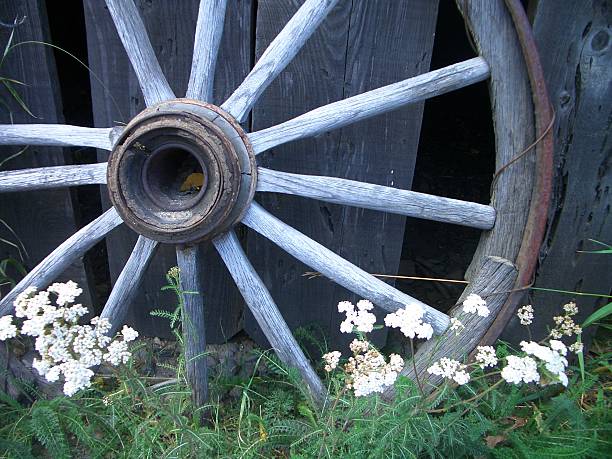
<point>175,137</point>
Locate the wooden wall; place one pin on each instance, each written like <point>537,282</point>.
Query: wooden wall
<point>575,43</point>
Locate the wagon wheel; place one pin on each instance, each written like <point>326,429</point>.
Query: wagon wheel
<point>175,137</point>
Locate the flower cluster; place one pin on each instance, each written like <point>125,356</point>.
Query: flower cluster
<point>410,322</point>
<point>565,325</point>
<point>360,319</point>
<point>525,314</point>
<point>450,369</point>
<point>66,348</point>
<point>367,370</point>
<point>485,356</point>
<point>551,357</point>
<point>474,304</point>
<point>520,369</point>
<point>331,360</point>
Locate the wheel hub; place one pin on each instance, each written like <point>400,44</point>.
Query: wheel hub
<point>181,172</point>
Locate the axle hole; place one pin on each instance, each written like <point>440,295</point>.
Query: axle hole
<point>173,177</point>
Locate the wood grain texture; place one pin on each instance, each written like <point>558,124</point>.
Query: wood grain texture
<point>361,45</point>
<point>493,282</point>
<point>63,135</point>
<point>136,42</point>
<point>372,103</point>
<point>52,177</point>
<point>63,256</point>
<point>127,284</point>
<point>209,29</point>
<point>278,54</point>
<point>575,46</point>
<point>171,27</point>
<point>194,334</point>
<point>335,267</point>
<point>266,312</point>
<point>51,210</point>
<point>512,107</point>
<point>377,197</point>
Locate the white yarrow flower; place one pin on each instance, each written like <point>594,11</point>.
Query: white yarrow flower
<point>129,334</point>
<point>520,369</point>
<point>7,328</point>
<point>525,314</point>
<point>485,356</point>
<point>331,360</point>
<point>450,369</point>
<point>474,304</point>
<point>410,322</point>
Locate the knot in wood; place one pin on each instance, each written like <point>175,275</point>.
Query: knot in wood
<point>182,172</point>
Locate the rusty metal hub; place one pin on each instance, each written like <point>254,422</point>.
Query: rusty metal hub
<point>181,172</point>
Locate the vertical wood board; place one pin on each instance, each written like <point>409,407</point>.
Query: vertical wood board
<point>360,46</point>
<point>42,220</point>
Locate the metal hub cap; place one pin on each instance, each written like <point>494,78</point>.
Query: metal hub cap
<point>181,172</point>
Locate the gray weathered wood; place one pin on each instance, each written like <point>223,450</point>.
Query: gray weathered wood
<point>136,42</point>
<point>512,109</point>
<point>41,219</point>
<point>63,256</point>
<point>493,283</point>
<point>62,135</point>
<point>358,47</point>
<point>372,103</point>
<point>278,54</point>
<point>265,311</point>
<point>575,46</point>
<point>194,334</point>
<point>127,284</point>
<point>211,17</point>
<point>335,267</point>
<point>171,27</point>
<point>52,177</point>
<point>377,197</point>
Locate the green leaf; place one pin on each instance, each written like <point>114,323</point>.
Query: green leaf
<point>17,98</point>
<point>601,313</point>
<point>48,431</point>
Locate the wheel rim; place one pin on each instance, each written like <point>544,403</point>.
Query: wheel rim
<point>236,205</point>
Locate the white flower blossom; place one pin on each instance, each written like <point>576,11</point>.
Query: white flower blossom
<point>520,369</point>
<point>525,314</point>
<point>7,328</point>
<point>474,304</point>
<point>456,325</point>
<point>410,322</point>
<point>570,308</point>
<point>367,370</point>
<point>129,334</point>
<point>450,369</point>
<point>66,292</point>
<point>485,356</point>
<point>577,347</point>
<point>359,318</point>
<point>117,353</point>
<point>331,360</point>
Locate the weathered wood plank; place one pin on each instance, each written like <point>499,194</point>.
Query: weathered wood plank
<point>377,197</point>
<point>512,107</point>
<point>171,27</point>
<point>209,29</point>
<point>126,285</point>
<point>575,46</point>
<point>495,278</point>
<point>335,267</point>
<point>136,42</point>
<point>62,135</point>
<point>372,103</point>
<point>266,312</point>
<point>194,334</point>
<point>52,177</point>
<point>361,45</point>
<point>278,54</point>
<point>41,219</point>
<point>63,256</point>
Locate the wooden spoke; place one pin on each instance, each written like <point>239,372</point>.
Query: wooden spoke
<point>52,177</point>
<point>62,135</point>
<point>278,54</point>
<point>209,29</point>
<point>265,311</point>
<point>136,42</point>
<point>495,278</point>
<point>335,267</point>
<point>371,103</point>
<point>63,256</point>
<point>377,197</point>
<point>193,322</point>
<point>126,285</point>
